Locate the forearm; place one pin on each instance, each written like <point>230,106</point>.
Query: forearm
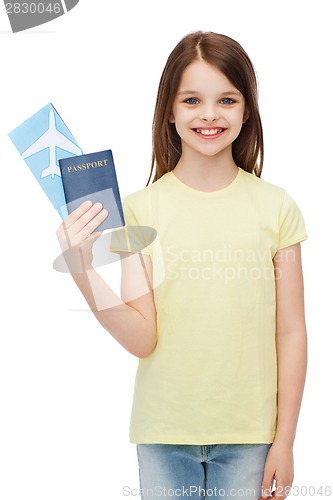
<point>292,360</point>
<point>131,323</point>
<point>127,325</point>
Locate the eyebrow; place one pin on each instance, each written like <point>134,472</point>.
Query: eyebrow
<point>195,92</point>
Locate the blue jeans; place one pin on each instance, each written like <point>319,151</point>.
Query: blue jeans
<point>201,472</point>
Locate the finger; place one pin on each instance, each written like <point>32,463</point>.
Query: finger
<point>79,230</point>
<point>77,213</point>
<point>94,235</point>
<point>91,238</point>
<point>88,230</point>
<point>85,218</point>
<point>266,488</point>
<point>281,491</point>
<point>83,225</point>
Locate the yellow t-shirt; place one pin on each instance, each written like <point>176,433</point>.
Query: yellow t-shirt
<point>212,377</point>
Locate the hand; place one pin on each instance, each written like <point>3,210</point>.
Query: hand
<point>279,466</point>
<point>76,234</point>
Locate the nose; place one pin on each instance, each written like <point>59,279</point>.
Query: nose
<point>209,113</point>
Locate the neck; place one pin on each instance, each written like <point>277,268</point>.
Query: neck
<point>206,173</point>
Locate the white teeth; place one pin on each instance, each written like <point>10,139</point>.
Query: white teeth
<point>212,131</point>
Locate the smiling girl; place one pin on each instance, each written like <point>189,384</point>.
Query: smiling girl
<point>222,338</point>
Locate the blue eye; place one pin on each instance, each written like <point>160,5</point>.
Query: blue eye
<point>227,100</point>
<point>192,100</point>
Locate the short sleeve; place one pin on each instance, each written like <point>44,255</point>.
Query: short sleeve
<point>291,223</point>
<point>134,237</point>
<point>131,218</point>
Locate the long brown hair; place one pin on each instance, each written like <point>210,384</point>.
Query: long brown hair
<point>229,57</point>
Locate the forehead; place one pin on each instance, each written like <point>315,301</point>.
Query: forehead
<point>201,75</point>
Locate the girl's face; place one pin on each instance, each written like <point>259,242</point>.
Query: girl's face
<point>208,111</point>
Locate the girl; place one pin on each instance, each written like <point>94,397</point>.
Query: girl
<point>221,337</point>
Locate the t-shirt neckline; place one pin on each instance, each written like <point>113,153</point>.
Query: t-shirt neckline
<point>206,194</point>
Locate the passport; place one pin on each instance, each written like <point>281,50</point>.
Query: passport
<point>93,177</point>
<point>42,140</point>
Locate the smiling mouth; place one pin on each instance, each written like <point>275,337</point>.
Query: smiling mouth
<point>211,132</point>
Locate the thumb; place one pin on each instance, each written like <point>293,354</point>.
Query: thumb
<point>267,482</point>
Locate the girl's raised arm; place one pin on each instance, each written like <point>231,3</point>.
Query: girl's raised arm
<point>131,320</point>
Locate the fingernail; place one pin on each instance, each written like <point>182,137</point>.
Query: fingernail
<point>98,205</point>
<point>87,204</point>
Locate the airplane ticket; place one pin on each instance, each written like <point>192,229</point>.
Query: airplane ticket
<point>42,140</point>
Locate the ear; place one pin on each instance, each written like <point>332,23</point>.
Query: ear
<point>246,115</point>
<point>172,118</point>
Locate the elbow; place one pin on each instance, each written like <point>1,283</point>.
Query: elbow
<point>140,340</point>
<point>146,348</point>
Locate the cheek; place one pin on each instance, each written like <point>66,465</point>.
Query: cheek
<point>237,119</point>
<point>236,124</point>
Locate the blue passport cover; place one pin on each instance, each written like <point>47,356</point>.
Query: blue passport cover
<point>42,140</point>
<point>93,177</point>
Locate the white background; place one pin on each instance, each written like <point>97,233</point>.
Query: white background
<point>66,385</point>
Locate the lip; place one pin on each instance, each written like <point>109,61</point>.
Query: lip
<point>210,136</point>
